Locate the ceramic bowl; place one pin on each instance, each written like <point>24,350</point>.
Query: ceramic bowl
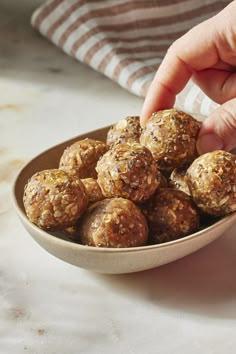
<point>106,260</point>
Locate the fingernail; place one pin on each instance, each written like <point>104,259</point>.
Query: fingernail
<point>142,123</point>
<point>209,142</point>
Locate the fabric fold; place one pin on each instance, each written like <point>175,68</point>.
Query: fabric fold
<point>126,40</point>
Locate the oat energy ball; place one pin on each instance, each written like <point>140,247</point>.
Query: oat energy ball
<point>126,130</point>
<point>170,135</point>
<point>171,214</point>
<point>212,182</point>
<point>128,171</point>
<point>81,158</point>
<point>54,200</point>
<point>93,190</point>
<point>115,222</point>
<point>178,180</point>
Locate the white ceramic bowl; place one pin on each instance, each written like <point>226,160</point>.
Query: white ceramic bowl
<point>106,260</point>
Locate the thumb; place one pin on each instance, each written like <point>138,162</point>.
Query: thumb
<point>218,131</point>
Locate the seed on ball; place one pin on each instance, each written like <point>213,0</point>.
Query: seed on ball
<point>128,171</point>
<point>54,200</point>
<point>115,222</point>
<point>171,135</point>
<point>211,179</point>
<point>171,214</point>
<point>93,190</point>
<point>126,130</point>
<point>80,159</point>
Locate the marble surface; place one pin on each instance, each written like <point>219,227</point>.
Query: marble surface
<point>48,306</point>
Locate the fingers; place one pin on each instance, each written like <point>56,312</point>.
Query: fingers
<point>166,85</point>
<point>219,85</point>
<point>195,51</point>
<point>218,131</point>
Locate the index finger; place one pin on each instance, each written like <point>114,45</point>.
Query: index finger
<point>194,51</point>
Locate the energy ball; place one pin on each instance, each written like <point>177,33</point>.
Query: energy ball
<point>93,190</point>
<point>212,182</point>
<point>128,171</point>
<point>54,200</point>
<point>94,194</point>
<point>126,130</point>
<point>115,222</point>
<point>171,135</point>
<point>170,214</point>
<point>178,180</point>
<point>80,158</point>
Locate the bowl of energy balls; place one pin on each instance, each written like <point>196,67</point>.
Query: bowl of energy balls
<point>124,199</point>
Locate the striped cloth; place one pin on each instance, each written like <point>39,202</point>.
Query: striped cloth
<point>126,40</point>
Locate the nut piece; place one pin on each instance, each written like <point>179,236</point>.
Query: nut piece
<point>212,182</point>
<point>115,222</point>
<point>93,190</point>
<point>126,130</point>
<point>170,214</point>
<point>54,200</point>
<point>178,180</point>
<point>81,158</point>
<point>170,135</point>
<point>128,171</point>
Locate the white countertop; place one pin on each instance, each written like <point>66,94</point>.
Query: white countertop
<point>48,306</point>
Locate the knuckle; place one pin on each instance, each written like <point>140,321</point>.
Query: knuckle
<point>173,48</point>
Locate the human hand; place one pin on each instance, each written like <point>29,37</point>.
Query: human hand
<point>207,54</point>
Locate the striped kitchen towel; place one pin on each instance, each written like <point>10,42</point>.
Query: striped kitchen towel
<point>126,40</point>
